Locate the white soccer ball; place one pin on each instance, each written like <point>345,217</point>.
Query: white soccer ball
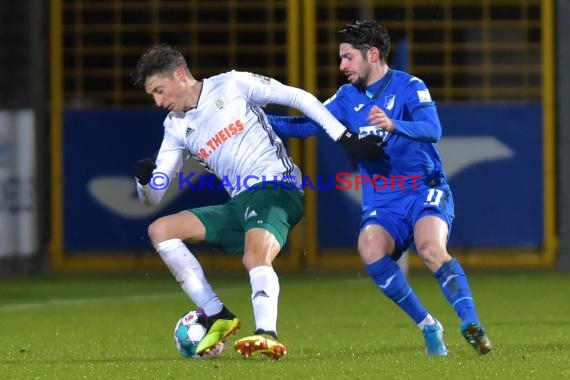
<point>189,331</point>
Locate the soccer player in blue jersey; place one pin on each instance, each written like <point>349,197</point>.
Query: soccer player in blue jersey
<point>397,107</point>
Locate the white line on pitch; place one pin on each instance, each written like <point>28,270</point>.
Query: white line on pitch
<point>83,301</point>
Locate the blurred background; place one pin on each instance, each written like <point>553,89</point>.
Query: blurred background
<point>72,124</point>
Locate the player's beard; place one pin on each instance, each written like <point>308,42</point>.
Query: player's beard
<point>360,83</point>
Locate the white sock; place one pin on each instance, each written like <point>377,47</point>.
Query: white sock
<point>189,274</point>
<point>264,297</point>
<point>428,320</point>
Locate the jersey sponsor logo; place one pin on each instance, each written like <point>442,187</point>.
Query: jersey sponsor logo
<point>371,130</point>
<point>389,103</point>
<point>359,107</point>
<point>218,139</point>
<point>424,96</point>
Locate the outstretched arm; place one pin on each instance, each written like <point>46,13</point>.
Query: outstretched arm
<point>278,93</point>
<point>294,126</point>
<point>262,90</point>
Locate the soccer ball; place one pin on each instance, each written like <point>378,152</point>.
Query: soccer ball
<point>189,331</point>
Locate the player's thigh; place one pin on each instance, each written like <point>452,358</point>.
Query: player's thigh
<point>274,209</point>
<point>432,217</point>
<point>436,201</point>
<point>183,225</point>
<point>222,227</point>
<point>395,234</point>
<point>430,236</point>
<point>431,230</point>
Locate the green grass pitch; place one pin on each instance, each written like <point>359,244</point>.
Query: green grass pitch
<point>336,327</point>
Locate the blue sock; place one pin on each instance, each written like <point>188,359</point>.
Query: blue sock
<point>392,282</point>
<point>455,287</point>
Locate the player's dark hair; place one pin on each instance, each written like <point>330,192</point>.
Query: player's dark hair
<point>364,34</point>
<point>159,59</point>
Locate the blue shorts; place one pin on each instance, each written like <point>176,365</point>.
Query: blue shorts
<point>399,215</point>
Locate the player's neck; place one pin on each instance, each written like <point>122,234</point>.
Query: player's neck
<point>378,73</point>
<point>194,91</point>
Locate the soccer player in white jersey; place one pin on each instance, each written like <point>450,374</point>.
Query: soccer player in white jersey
<point>220,122</point>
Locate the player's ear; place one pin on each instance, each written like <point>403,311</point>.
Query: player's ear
<point>374,55</point>
<point>180,74</point>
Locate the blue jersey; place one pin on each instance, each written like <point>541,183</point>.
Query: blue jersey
<point>412,161</point>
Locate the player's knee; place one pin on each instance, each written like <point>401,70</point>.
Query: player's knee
<point>158,231</point>
<point>370,254</point>
<point>432,253</point>
<point>247,261</point>
<point>372,250</point>
<point>427,248</point>
<point>253,259</point>
<point>374,242</point>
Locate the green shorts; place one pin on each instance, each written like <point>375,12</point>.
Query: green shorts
<point>271,207</point>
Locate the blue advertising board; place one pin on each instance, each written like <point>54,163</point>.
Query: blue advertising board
<point>492,154</point>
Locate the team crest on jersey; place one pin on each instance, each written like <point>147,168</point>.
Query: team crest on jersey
<point>189,131</point>
<point>219,104</point>
<point>389,103</point>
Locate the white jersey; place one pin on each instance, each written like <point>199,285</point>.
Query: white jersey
<point>229,134</point>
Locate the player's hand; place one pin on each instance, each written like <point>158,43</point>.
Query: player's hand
<point>143,170</point>
<point>369,148</point>
<point>378,118</point>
